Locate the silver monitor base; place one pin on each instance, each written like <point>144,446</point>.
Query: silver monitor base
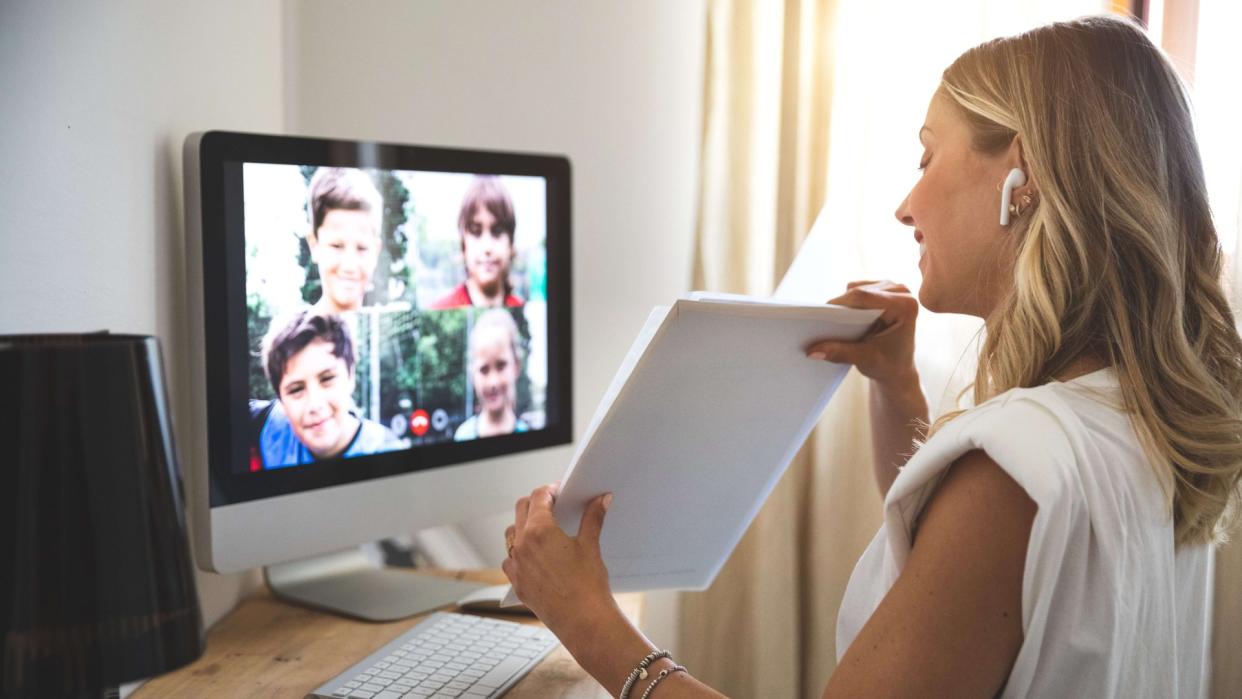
<point>349,584</point>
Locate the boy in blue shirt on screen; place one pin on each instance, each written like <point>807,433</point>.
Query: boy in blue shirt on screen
<point>309,360</point>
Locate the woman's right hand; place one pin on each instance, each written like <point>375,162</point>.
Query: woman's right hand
<point>886,354</point>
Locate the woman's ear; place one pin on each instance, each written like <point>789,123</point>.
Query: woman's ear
<point>1016,157</point>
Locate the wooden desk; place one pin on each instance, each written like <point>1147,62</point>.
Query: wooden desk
<point>268,648</point>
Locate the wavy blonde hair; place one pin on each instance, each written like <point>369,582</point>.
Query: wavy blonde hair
<point>1119,259</point>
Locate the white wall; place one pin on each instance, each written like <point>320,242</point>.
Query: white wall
<point>98,97</point>
<point>97,100</point>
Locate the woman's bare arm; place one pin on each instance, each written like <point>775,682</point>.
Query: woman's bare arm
<point>952,623</point>
<point>563,580</point>
<point>886,356</point>
<point>898,417</point>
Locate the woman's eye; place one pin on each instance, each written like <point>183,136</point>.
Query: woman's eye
<point>923,164</point>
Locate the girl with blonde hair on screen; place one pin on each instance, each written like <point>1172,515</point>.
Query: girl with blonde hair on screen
<point>494,365</point>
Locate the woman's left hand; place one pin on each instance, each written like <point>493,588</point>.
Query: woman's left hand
<point>559,577</point>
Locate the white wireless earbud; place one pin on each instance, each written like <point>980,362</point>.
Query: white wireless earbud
<point>1015,178</point>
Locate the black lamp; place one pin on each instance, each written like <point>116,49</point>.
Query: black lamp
<point>96,586</point>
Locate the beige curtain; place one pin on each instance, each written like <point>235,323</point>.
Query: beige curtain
<point>766,627</point>
<point>781,86</point>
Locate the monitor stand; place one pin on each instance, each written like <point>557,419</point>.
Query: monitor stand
<point>350,584</point>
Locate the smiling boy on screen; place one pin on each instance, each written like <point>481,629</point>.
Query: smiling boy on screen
<point>309,359</point>
<point>346,211</point>
<point>486,224</point>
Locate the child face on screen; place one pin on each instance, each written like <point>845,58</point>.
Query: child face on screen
<point>316,392</point>
<point>488,251</point>
<point>495,370</point>
<point>346,248</point>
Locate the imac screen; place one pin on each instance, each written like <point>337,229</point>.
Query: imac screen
<point>389,310</point>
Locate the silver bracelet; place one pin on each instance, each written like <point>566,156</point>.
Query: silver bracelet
<point>660,678</point>
<point>640,672</point>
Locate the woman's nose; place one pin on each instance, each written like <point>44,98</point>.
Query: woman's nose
<point>903,212</point>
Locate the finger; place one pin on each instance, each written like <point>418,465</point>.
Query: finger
<point>895,306</point>
<point>866,282</point>
<point>541,502</point>
<point>879,284</point>
<point>510,569</point>
<point>520,511</point>
<point>838,352</point>
<point>510,533</point>
<point>593,519</point>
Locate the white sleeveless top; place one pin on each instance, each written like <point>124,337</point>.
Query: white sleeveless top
<point>1108,608</point>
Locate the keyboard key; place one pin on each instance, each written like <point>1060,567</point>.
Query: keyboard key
<point>361,694</point>
<point>372,687</point>
<point>415,676</point>
<point>388,694</point>
<point>502,672</point>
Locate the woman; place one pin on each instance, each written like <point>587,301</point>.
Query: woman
<point>1054,540</point>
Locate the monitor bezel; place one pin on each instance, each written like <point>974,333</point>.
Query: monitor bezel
<point>221,155</point>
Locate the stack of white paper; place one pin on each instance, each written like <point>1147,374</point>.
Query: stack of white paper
<point>708,409</point>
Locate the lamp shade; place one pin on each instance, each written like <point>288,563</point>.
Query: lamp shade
<point>96,585</point>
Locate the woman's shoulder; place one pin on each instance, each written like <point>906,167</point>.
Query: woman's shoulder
<point>1038,436</point>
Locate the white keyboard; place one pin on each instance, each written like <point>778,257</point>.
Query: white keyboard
<point>455,656</point>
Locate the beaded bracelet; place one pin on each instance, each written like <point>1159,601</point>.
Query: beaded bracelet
<point>660,678</point>
<point>640,672</point>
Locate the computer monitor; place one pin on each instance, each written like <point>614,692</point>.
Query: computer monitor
<point>375,327</point>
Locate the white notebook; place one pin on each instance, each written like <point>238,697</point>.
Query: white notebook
<point>707,410</point>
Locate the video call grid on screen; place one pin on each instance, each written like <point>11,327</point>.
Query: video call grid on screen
<point>395,318</point>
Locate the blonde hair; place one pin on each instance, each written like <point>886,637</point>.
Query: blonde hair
<point>499,319</point>
<point>1119,258</point>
